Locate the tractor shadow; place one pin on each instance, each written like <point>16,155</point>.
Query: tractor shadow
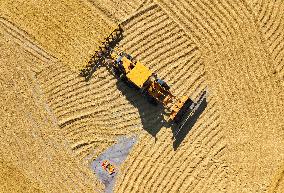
<point>150,114</point>
<point>188,126</point>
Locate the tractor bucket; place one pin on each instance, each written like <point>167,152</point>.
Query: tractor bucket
<point>183,111</point>
<point>187,112</point>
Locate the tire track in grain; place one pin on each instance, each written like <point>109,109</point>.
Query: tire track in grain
<point>175,162</point>
<point>70,30</point>
<point>33,131</point>
<point>258,82</point>
<point>271,24</point>
<point>152,169</point>
<point>187,163</point>
<point>235,14</point>
<point>27,43</point>
<point>117,10</point>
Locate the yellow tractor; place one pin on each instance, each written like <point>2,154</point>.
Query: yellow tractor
<point>156,90</point>
<point>139,76</point>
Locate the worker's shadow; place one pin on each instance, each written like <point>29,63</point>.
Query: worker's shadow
<point>188,126</point>
<point>152,116</point>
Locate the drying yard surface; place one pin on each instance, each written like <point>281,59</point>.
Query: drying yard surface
<point>54,124</point>
<point>115,154</point>
<point>71,30</point>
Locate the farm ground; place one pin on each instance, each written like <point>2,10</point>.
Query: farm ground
<point>54,124</point>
